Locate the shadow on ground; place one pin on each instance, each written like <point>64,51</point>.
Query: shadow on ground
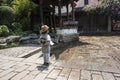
<point>117,33</point>
<point>68,47</point>
<point>42,68</point>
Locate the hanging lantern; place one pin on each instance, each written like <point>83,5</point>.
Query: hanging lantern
<point>74,4</point>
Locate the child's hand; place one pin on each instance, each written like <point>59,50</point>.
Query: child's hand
<point>47,43</point>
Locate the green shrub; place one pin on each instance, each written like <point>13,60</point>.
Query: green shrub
<point>23,10</point>
<point>13,44</point>
<point>6,15</point>
<point>16,26</point>
<point>4,30</point>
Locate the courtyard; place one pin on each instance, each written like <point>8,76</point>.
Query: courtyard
<point>90,58</point>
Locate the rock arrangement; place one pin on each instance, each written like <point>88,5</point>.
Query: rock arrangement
<point>30,39</point>
<point>5,41</point>
<point>64,35</point>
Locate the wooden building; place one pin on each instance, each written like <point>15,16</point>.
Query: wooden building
<point>44,13</point>
<point>90,22</point>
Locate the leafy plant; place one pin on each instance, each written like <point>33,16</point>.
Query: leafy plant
<point>105,7</point>
<point>16,26</point>
<point>4,30</point>
<point>22,10</point>
<point>13,44</point>
<point>6,15</point>
<point>5,2</point>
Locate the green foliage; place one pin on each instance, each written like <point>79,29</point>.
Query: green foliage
<point>106,2</point>
<point>10,45</point>
<point>111,7</point>
<point>4,30</point>
<point>6,15</point>
<point>13,45</point>
<point>16,27</point>
<point>5,2</point>
<point>17,30</point>
<point>22,10</point>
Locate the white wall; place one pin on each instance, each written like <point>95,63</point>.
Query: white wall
<point>80,3</point>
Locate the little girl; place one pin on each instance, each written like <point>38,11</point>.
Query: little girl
<point>45,41</point>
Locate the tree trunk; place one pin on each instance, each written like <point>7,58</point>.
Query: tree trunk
<point>73,12</point>
<point>54,20</point>
<point>41,14</point>
<point>60,16</point>
<point>67,12</point>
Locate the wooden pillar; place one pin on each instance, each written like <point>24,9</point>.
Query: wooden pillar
<point>51,21</point>
<point>54,19</point>
<point>31,21</point>
<point>59,12</point>
<point>109,23</point>
<point>67,11</point>
<point>89,23</point>
<point>41,12</point>
<point>73,13</point>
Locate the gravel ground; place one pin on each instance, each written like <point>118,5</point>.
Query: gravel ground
<point>91,52</point>
<point>90,44</point>
<point>16,51</point>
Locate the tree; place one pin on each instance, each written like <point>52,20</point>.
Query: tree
<point>112,6</point>
<point>104,7</point>
<point>22,10</point>
<point>5,2</point>
<point>6,15</point>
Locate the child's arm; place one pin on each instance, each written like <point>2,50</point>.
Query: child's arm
<point>48,40</point>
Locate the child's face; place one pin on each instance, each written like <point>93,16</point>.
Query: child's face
<point>45,32</point>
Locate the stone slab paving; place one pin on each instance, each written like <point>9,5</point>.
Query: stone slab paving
<point>18,51</point>
<point>96,65</point>
<point>27,70</point>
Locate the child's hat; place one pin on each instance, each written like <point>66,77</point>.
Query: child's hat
<point>44,28</point>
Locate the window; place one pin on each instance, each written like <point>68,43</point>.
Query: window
<point>85,2</point>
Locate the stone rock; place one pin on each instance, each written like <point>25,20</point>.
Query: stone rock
<point>11,39</point>
<point>2,41</point>
<point>28,39</point>
<point>3,45</point>
<point>24,38</point>
<point>34,41</point>
<point>33,36</point>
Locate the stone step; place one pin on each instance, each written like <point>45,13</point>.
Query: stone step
<point>30,53</point>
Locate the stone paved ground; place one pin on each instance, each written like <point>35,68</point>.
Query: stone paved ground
<point>17,51</point>
<point>92,59</point>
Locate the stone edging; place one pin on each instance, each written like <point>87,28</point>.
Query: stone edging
<point>27,54</point>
